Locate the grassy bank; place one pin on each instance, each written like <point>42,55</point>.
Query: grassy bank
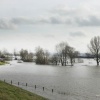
<point>3,63</point>
<point>9,92</point>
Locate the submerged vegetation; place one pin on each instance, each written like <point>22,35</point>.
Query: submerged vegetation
<point>42,56</point>
<point>26,56</point>
<point>94,48</point>
<point>64,54</point>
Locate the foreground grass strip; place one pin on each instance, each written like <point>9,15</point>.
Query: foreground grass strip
<point>3,63</point>
<point>9,92</point>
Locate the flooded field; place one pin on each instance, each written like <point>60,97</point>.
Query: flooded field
<point>79,82</point>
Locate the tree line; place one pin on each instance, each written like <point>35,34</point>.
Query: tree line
<point>64,55</point>
<point>64,52</point>
<point>5,55</point>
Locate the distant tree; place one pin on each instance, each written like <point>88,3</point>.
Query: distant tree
<point>66,53</point>
<point>72,54</point>
<point>46,56</point>
<point>2,57</point>
<point>6,55</point>
<point>39,56</point>
<point>42,56</point>
<point>0,54</point>
<point>54,59</point>
<point>15,54</point>
<point>94,48</point>
<point>77,56</point>
<point>23,54</point>
<point>26,56</point>
<point>30,56</point>
<point>61,51</point>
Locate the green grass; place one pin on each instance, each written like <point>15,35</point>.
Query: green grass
<point>9,92</point>
<point>3,63</point>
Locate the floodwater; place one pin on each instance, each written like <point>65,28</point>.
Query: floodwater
<point>79,82</point>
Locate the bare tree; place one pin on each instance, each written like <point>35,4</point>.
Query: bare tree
<point>61,51</point>
<point>71,54</point>
<point>54,59</point>
<point>26,56</point>
<point>42,56</point>
<point>77,54</point>
<point>65,53</point>
<point>30,56</point>
<point>46,56</point>
<point>6,55</point>
<point>23,54</point>
<point>94,48</point>
<point>39,56</point>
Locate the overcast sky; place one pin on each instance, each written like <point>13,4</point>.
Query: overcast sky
<point>31,23</point>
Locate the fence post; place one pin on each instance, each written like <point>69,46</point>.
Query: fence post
<point>11,81</point>
<point>52,90</point>
<point>35,86</point>
<point>26,84</point>
<point>18,83</point>
<point>4,80</point>
<point>43,88</point>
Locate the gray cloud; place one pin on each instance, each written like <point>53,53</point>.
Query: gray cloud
<point>74,21</point>
<point>77,34</point>
<point>23,20</point>
<point>87,21</point>
<point>6,24</point>
<point>81,16</point>
<point>39,20</point>
<point>63,15</point>
<point>43,21</point>
<point>90,21</point>
<point>55,20</point>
